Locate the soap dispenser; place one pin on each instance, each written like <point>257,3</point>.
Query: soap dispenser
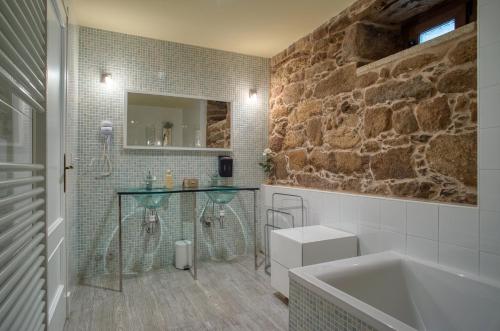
<point>225,166</point>
<point>169,179</point>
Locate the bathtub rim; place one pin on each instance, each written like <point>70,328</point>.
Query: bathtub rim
<point>308,277</point>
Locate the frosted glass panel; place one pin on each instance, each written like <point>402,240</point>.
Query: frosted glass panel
<point>437,31</point>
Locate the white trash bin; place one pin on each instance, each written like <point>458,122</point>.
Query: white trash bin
<point>183,254</point>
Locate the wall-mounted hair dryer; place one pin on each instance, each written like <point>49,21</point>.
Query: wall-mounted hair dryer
<point>106,133</point>
<point>107,129</point>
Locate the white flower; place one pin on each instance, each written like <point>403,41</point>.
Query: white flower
<point>267,151</point>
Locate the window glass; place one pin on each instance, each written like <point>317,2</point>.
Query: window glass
<point>437,31</point>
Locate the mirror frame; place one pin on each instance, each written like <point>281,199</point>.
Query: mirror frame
<point>172,148</point>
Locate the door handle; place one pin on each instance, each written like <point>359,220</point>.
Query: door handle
<point>66,168</point>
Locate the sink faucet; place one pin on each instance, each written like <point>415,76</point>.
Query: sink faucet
<point>214,179</point>
<point>149,181</point>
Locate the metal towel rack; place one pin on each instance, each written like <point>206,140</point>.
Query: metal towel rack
<point>269,226</point>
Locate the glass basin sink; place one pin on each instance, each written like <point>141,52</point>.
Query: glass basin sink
<point>221,194</point>
<point>151,201</point>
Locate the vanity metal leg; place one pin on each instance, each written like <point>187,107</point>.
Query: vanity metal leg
<point>195,239</point>
<point>120,253</point>
<point>255,228</point>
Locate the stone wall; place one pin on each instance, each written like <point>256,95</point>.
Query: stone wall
<point>218,124</point>
<point>404,125</point>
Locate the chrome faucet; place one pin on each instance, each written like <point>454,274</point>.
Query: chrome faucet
<point>149,181</point>
<point>214,179</point>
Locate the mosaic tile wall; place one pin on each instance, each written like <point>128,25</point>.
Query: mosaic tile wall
<point>148,65</point>
<point>308,311</point>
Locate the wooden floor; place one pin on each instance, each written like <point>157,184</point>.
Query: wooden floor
<point>227,296</point>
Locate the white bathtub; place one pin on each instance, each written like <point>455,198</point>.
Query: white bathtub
<point>389,291</point>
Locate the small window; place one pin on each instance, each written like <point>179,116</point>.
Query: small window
<point>437,31</point>
<point>438,20</point>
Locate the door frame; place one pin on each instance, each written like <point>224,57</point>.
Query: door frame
<point>58,228</point>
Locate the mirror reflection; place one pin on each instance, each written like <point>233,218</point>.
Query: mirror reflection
<point>163,121</point>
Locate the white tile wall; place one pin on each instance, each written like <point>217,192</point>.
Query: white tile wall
<point>489,137</point>
<point>489,265</point>
<point>489,149</point>
<point>459,226</point>
<point>422,220</point>
<point>369,212</point>
<point>490,229</point>
<point>393,241</point>
<point>451,235</point>
<point>489,24</point>
<point>349,213</point>
<point>488,65</point>
<point>489,190</point>
<point>459,257</point>
<point>393,215</point>
<point>422,248</point>
<point>369,240</point>
<point>489,103</point>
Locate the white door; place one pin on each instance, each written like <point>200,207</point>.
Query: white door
<point>56,243</point>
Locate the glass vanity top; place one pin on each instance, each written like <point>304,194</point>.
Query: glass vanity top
<point>180,189</point>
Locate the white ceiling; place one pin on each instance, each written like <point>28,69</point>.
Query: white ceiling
<point>254,27</point>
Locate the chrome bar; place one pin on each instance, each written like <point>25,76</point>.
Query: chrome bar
<point>29,30</point>
<point>39,323</point>
<point>4,220</point>
<point>10,234</point>
<point>26,65</point>
<point>120,253</point>
<point>17,75</point>
<point>20,166</point>
<point>22,112</point>
<point>23,256</point>
<point>33,315</point>
<point>19,310</point>
<point>12,19</point>
<point>30,7</point>
<point>35,272</point>
<point>21,44</point>
<point>12,249</point>
<point>22,196</point>
<point>304,221</point>
<point>20,181</point>
<point>37,27</point>
<point>19,89</point>
<point>195,240</point>
<point>255,229</point>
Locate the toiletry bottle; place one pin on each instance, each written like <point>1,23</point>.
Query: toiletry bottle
<point>169,179</point>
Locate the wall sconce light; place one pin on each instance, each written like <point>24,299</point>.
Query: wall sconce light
<point>106,79</point>
<point>252,94</point>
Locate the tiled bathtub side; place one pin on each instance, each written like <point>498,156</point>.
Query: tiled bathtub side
<point>309,311</point>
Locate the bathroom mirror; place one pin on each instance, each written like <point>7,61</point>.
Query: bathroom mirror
<point>156,121</point>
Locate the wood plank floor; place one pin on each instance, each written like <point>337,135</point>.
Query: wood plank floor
<point>227,296</point>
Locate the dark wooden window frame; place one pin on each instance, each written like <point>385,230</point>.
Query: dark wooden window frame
<point>463,11</point>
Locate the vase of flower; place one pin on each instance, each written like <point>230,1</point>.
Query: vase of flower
<point>267,165</point>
